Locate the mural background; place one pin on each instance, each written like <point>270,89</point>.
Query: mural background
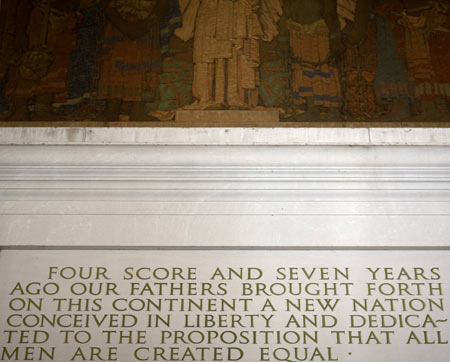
<point>136,63</point>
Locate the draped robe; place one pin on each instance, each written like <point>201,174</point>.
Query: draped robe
<point>226,47</point>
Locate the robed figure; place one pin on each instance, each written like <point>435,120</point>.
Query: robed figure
<point>226,36</point>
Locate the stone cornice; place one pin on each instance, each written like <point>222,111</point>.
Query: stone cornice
<point>130,189</point>
<point>226,136</point>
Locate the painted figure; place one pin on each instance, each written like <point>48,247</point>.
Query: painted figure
<point>14,17</point>
<point>440,52</point>
<point>359,59</point>
<point>43,70</point>
<point>315,42</point>
<point>420,21</point>
<point>226,49</point>
<point>391,78</point>
<point>83,68</point>
<point>131,57</point>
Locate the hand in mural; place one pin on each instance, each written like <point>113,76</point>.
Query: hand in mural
<point>132,30</point>
<point>133,27</point>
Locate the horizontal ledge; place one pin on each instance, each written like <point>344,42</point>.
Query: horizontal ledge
<point>229,196</point>
<point>223,208</point>
<point>225,136</point>
<point>209,174</point>
<point>247,215</point>
<point>135,158</point>
<point>225,248</point>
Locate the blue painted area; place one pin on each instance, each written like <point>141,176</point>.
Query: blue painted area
<point>322,98</point>
<point>113,40</point>
<point>169,22</point>
<point>126,67</point>
<point>390,67</point>
<point>82,70</point>
<point>315,73</point>
<point>325,98</point>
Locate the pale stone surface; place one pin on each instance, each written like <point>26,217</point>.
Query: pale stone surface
<point>232,208</point>
<point>288,159</point>
<point>412,136</point>
<point>225,196</point>
<point>228,136</point>
<point>226,231</point>
<point>295,188</point>
<point>30,135</point>
<point>398,307</point>
<point>229,197</point>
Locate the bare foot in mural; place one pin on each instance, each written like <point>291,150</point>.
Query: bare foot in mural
<point>195,106</point>
<point>164,116</point>
<point>205,106</point>
<point>216,107</point>
<point>238,107</point>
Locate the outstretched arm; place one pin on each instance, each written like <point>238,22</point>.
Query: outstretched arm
<point>269,14</point>
<point>189,10</point>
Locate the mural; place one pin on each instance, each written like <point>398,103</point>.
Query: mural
<point>142,60</point>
